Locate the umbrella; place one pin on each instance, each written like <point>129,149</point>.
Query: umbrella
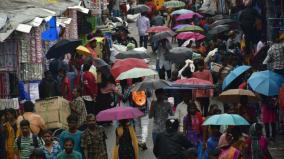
<point>219,29</point>
<point>140,8</point>
<point>162,35</point>
<point>220,17</point>
<point>190,35</point>
<point>126,64</point>
<point>193,28</point>
<point>132,54</point>
<point>157,29</point>
<point>266,82</point>
<point>234,96</point>
<point>222,22</point>
<point>174,4</point>
<point>181,11</point>
<point>179,54</point>
<point>233,75</point>
<point>100,63</point>
<point>102,66</point>
<point>136,73</point>
<point>188,16</point>
<point>62,47</point>
<point>82,50</point>
<point>181,26</point>
<point>193,83</point>
<point>119,113</point>
<point>226,119</point>
<point>151,84</point>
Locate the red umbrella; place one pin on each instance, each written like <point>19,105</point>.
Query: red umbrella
<point>190,35</point>
<point>194,83</point>
<point>188,16</point>
<point>121,66</point>
<point>119,113</point>
<point>157,29</point>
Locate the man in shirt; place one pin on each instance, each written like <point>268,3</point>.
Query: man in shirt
<point>37,123</point>
<point>25,143</point>
<point>68,152</point>
<point>78,107</point>
<point>157,20</point>
<point>93,140</point>
<point>181,110</point>
<point>143,23</point>
<point>73,133</point>
<point>275,56</point>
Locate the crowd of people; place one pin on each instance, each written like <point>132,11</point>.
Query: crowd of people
<point>178,131</point>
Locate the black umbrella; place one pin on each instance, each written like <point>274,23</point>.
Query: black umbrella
<point>140,8</point>
<point>219,29</point>
<point>63,47</point>
<point>132,54</point>
<point>162,35</point>
<point>178,55</point>
<point>223,22</point>
<point>220,17</point>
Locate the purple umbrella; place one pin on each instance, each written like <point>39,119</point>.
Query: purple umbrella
<point>119,113</point>
<point>188,16</point>
<point>180,26</point>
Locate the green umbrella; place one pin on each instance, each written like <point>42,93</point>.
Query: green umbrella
<point>226,119</point>
<point>174,4</point>
<point>136,73</point>
<point>193,28</point>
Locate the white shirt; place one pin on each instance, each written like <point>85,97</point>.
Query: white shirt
<point>143,23</point>
<point>181,112</point>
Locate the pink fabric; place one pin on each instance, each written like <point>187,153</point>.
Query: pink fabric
<point>205,75</point>
<point>268,114</point>
<point>229,153</point>
<point>119,113</point>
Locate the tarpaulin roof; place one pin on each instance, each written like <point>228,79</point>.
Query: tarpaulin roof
<point>15,12</point>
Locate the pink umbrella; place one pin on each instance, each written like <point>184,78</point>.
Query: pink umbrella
<point>188,16</point>
<point>119,113</point>
<point>190,35</point>
<point>194,83</point>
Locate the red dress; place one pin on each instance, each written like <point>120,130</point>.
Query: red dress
<point>89,84</point>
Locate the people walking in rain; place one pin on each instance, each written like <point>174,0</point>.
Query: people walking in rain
<point>163,65</point>
<point>143,23</point>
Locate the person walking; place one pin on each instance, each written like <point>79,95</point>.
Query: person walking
<point>78,107</point>
<point>163,65</point>
<point>93,140</point>
<point>268,116</point>
<point>11,131</point>
<point>47,87</point>
<point>126,146</point>
<point>51,148</point>
<point>143,23</point>
<point>160,110</point>
<point>170,144</point>
<point>26,142</point>
<point>181,110</point>
<point>64,85</point>
<point>69,152</point>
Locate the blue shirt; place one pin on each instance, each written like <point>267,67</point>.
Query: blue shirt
<point>56,149</point>
<point>73,155</point>
<point>76,137</point>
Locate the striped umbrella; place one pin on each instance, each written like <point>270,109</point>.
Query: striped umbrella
<point>190,35</point>
<point>174,4</point>
<point>181,11</point>
<point>193,28</point>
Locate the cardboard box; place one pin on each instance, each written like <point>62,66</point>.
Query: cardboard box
<point>54,111</point>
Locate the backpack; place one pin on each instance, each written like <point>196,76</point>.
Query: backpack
<point>34,138</point>
<point>139,98</point>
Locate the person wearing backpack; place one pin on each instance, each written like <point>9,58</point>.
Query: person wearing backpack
<point>26,142</point>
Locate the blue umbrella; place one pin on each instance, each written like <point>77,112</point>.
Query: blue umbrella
<point>226,119</point>
<point>234,75</point>
<point>266,82</point>
<point>181,11</point>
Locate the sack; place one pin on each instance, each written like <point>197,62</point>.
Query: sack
<point>35,142</point>
<point>139,98</point>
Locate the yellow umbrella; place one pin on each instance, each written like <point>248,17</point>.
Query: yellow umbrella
<point>82,50</point>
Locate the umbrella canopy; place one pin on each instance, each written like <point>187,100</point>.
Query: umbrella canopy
<point>226,119</point>
<point>178,55</point>
<point>266,82</point>
<point>136,73</point>
<point>126,64</point>
<point>151,84</point>
<point>188,16</point>
<point>233,75</point>
<point>132,54</point>
<point>140,8</point>
<point>222,22</point>
<point>63,47</point>
<point>82,50</point>
<point>235,95</point>
<point>162,35</point>
<point>100,63</point>
<point>219,29</point>
<point>157,29</point>
<point>181,11</point>
<point>102,66</point>
<point>181,26</point>
<point>119,113</point>
<point>193,83</point>
<point>193,28</point>
<point>190,35</point>
<point>174,4</point>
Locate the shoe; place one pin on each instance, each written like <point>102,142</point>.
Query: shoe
<point>143,146</point>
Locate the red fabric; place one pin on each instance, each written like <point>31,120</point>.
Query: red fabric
<point>121,66</point>
<point>205,75</point>
<point>89,84</point>
<point>281,98</point>
<point>93,52</point>
<point>200,121</point>
<point>243,85</point>
<point>152,7</point>
<point>66,84</point>
<point>268,114</point>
